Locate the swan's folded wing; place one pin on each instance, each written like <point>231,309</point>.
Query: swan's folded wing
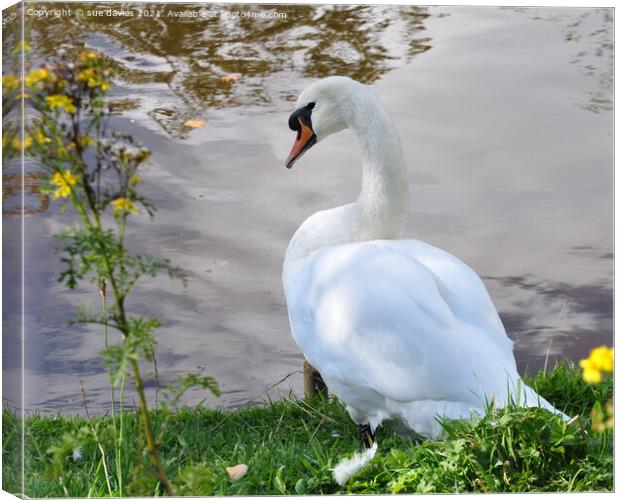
<point>373,316</point>
<point>460,287</point>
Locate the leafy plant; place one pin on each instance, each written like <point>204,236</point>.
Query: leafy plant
<point>95,170</point>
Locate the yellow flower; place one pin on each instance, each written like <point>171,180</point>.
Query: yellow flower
<point>10,82</point>
<point>86,75</point>
<point>36,76</point>
<point>88,56</point>
<point>592,376</point>
<point>40,138</point>
<point>22,45</point>
<point>134,180</point>
<point>61,101</point>
<point>603,358</point>
<point>123,205</point>
<point>64,181</point>
<point>93,80</point>
<point>86,140</point>
<point>18,144</point>
<point>600,360</point>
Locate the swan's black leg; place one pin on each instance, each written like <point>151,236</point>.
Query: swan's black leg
<point>417,438</point>
<point>365,435</point>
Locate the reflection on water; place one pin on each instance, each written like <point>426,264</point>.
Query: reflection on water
<point>557,317</point>
<point>34,201</point>
<point>191,57</point>
<point>590,32</point>
<point>506,123</point>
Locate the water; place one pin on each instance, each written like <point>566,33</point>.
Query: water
<point>506,119</point>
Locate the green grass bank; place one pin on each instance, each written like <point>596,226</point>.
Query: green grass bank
<point>290,447</point>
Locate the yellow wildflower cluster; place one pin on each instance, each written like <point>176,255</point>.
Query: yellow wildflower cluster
<point>40,138</point>
<point>93,80</point>
<point>63,181</point>
<point>19,144</point>
<point>601,361</point>
<point>88,56</point>
<point>123,205</point>
<point>22,46</point>
<point>36,76</point>
<point>91,73</point>
<point>62,102</point>
<point>10,83</point>
<point>86,74</point>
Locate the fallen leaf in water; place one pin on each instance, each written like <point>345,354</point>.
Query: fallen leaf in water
<point>222,263</point>
<point>237,472</point>
<point>196,123</point>
<point>229,78</point>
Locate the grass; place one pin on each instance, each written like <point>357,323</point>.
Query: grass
<point>290,447</point>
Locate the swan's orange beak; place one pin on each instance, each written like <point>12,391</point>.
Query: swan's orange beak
<point>306,138</point>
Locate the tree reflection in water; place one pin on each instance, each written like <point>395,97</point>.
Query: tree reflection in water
<point>183,60</point>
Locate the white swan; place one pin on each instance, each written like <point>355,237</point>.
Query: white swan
<point>399,330</point>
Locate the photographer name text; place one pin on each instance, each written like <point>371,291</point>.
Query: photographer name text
<point>202,13</point>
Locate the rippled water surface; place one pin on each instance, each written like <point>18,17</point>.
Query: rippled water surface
<point>506,120</point>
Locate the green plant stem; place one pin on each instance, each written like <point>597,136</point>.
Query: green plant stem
<point>117,438</point>
<point>120,431</point>
<point>104,315</point>
<point>148,431</point>
<point>123,323</point>
<point>121,242</point>
<point>90,491</point>
<point>144,410</point>
<point>103,461</point>
<point>98,441</point>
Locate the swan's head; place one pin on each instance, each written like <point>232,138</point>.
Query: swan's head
<point>322,109</point>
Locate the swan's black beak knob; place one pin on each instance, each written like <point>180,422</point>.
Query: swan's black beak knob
<point>300,121</point>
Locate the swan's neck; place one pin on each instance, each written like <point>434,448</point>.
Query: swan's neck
<point>379,210</point>
<point>383,199</point>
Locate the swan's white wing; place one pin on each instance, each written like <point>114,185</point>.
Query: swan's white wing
<point>460,287</point>
<point>399,320</point>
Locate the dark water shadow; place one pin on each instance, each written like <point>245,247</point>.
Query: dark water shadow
<point>583,319</point>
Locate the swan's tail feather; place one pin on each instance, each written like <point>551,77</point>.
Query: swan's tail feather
<point>347,467</point>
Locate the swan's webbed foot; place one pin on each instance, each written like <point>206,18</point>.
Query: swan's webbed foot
<point>365,435</point>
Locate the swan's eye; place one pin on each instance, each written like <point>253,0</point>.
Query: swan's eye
<point>311,105</point>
